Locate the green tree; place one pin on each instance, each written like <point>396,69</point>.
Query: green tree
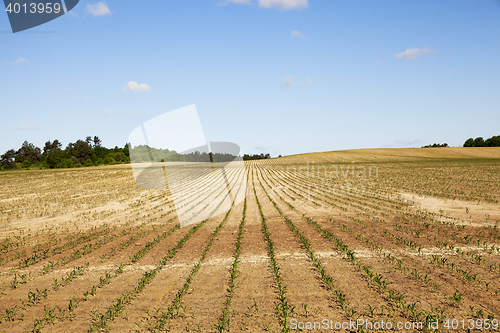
<point>8,160</point>
<point>97,141</point>
<point>494,141</point>
<point>50,146</point>
<point>479,142</point>
<point>28,152</point>
<point>469,143</point>
<point>67,163</point>
<point>81,150</point>
<point>55,158</point>
<point>126,150</point>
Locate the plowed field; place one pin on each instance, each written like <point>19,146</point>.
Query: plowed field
<point>404,237</point>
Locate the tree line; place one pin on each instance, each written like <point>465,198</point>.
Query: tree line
<point>90,152</point>
<point>247,157</point>
<point>436,145</point>
<point>82,153</point>
<point>494,141</point>
<point>144,153</point>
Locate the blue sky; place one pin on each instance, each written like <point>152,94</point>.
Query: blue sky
<point>274,76</point>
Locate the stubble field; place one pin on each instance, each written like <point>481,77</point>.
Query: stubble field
<point>392,235</point>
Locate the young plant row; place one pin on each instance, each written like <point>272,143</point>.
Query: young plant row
<point>162,317</point>
<point>132,239</point>
<point>36,296</point>
<point>77,254</point>
<point>416,247</point>
<point>100,320</point>
<point>440,261</point>
<point>224,322</point>
<point>151,244</point>
<point>283,307</point>
<point>421,215</point>
<point>418,275</point>
<point>50,315</point>
<point>408,310</point>
<point>477,259</point>
<point>47,253</point>
<point>340,297</point>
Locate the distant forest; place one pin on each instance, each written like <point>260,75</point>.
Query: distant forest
<point>436,145</point>
<point>247,157</point>
<point>144,153</point>
<point>494,141</point>
<point>90,152</point>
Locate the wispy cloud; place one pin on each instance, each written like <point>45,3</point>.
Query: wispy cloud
<point>284,4</point>
<point>238,2</point>
<point>99,9</point>
<point>18,62</point>
<point>408,142</point>
<point>106,113</point>
<point>287,81</point>
<point>27,128</point>
<point>411,54</point>
<point>297,34</point>
<point>259,147</point>
<point>88,112</point>
<point>307,82</point>
<point>136,87</point>
<point>280,4</point>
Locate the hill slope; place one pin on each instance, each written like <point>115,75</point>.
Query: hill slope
<point>398,154</point>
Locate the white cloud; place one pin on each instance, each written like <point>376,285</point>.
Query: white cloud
<point>410,54</point>
<point>106,113</point>
<point>307,82</point>
<point>88,112</point>
<point>284,4</point>
<point>136,87</point>
<point>18,62</point>
<point>297,34</point>
<point>378,62</point>
<point>99,9</point>
<point>287,81</point>
<point>88,98</point>
<point>258,147</point>
<point>27,128</point>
